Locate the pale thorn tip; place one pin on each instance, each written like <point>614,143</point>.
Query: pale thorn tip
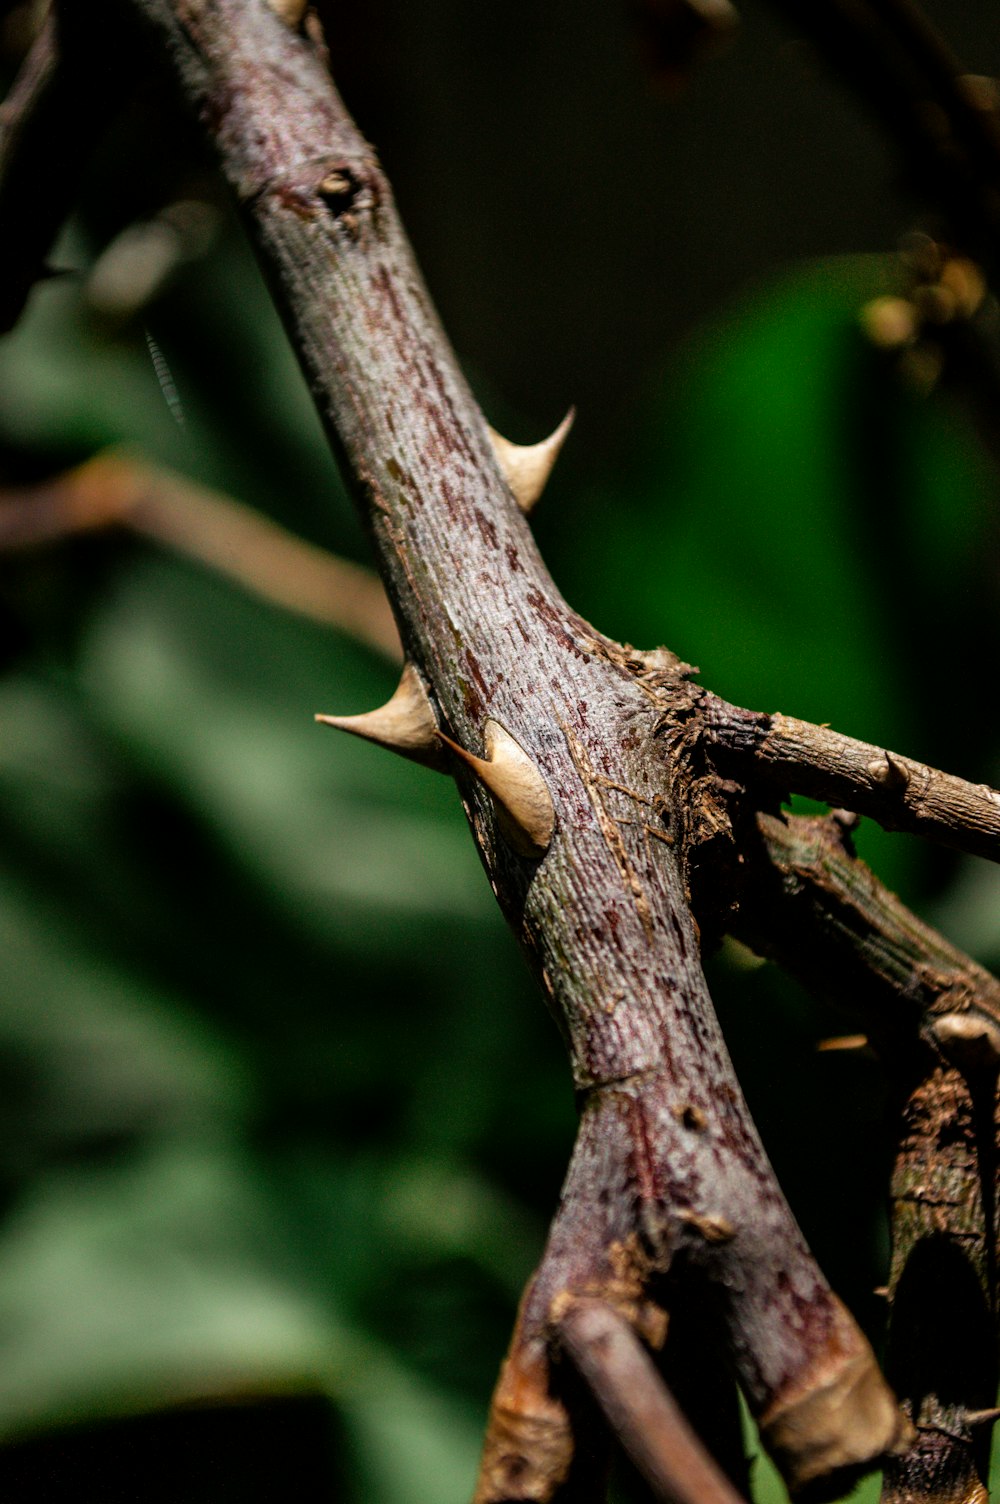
<point>519,793</point>
<point>404,724</point>
<point>527,467</point>
<point>982,1417</point>
<point>968,1037</point>
<point>289,11</point>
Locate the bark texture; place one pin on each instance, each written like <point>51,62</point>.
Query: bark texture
<point>668,1167</point>
<point>612,800</point>
<point>934,1017</point>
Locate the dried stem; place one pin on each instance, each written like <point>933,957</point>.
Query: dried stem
<point>116,489</point>
<point>639,1408</point>
<point>934,1015</point>
<point>901,794</point>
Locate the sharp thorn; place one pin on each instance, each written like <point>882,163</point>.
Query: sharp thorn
<point>519,793</point>
<point>404,724</point>
<point>982,1417</point>
<point>527,466</point>
<point>289,11</point>
<point>968,1038</point>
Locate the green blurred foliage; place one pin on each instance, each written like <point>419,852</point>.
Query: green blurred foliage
<point>283,1121</point>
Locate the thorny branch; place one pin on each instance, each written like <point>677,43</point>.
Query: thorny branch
<point>901,794</point>
<point>589,772</point>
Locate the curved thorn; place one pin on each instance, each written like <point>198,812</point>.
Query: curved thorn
<point>404,724</point>
<point>523,804</point>
<point>289,11</point>
<point>982,1417</point>
<point>968,1038</point>
<point>527,466</point>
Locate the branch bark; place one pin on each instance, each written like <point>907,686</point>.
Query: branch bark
<point>796,757</point>
<point>115,489</point>
<point>934,1017</point>
<point>669,1169</point>
<point>639,1408</point>
<point>626,766</point>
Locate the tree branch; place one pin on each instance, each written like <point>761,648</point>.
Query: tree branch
<point>69,85</point>
<point>638,1406</point>
<point>668,1171</point>
<point>946,127</point>
<point>796,757</point>
<point>117,490</point>
<point>934,1016</point>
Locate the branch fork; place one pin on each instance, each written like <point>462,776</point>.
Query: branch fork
<point>589,747</point>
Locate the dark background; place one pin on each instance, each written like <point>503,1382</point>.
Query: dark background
<point>282,1120</point>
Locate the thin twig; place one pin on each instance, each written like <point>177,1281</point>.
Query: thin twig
<point>812,903</point>
<point>23,136</point>
<point>797,757</point>
<point>639,1407</point>
<point>116,489</point>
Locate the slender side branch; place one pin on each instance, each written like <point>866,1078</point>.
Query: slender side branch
<point>934,1016</point>
<point>116,489</point>
<point>900,794</point>
<point>639,1407</point>
<point>23,139</point>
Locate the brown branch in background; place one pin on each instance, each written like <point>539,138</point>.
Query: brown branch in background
<point>934,1016</point>
<point>638,1406</point>
<point>69,85</point>
<point>26,128</point>
<point>945,121</point>
<point>116,489</point>
<point>797,757</point>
